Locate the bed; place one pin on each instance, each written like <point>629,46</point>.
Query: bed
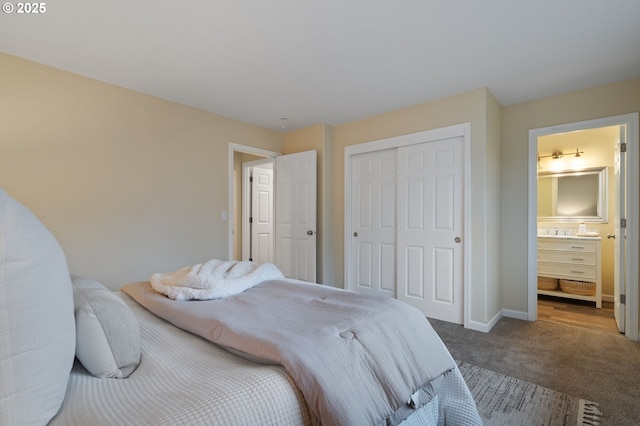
<point>74,353</point>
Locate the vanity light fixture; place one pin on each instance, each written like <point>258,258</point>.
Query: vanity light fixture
<point>556,154</point>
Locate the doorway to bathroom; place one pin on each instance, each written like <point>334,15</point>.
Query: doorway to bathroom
<point>578,245</point>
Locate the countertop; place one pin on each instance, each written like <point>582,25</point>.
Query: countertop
<point>572,237</point>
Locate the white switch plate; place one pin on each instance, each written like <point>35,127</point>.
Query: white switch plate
<point>224,215</point>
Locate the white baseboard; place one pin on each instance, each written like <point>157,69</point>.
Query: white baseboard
<point>509,313</point>
<point>608,298</point>
<point>485,327</point>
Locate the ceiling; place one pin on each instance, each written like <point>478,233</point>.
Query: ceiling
<point>332,61</point>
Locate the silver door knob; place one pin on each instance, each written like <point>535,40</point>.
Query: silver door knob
<point>309,232</point>
<point>355,234</point>
<point>457,240</point>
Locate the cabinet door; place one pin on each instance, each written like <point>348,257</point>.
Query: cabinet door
<point>567,245</point>
<point>567,257</point>
<point>568,271</point>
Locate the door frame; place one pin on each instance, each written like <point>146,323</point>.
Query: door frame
<point>633,164</point>
<point>246,202</point>
<point>456,130</point>
<point>233,149</point>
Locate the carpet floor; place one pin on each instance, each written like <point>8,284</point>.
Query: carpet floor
<point>598,366</point>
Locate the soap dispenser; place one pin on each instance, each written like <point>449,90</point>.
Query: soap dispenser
<point>582,229</point>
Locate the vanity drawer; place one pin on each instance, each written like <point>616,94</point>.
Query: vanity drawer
<point>564,270</point>
<point>573,259</point>
<point>567,245</point>
<point>576,258</point>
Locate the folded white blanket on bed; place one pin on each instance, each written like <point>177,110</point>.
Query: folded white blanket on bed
<point>213,279</point>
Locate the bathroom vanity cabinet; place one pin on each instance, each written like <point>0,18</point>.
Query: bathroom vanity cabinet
<point>571,258</point>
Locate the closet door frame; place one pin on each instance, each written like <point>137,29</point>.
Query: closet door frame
<point>457,130</point>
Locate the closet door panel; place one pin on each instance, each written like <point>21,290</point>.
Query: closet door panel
<point>430,218</point>
<point>373,240</point>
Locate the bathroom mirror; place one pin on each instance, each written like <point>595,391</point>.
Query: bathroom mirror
<point>573,196</point>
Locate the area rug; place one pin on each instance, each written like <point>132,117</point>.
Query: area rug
<point>504,400</point>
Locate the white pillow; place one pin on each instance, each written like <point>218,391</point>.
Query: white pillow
<point>107,332</point>
<point>37,330</point>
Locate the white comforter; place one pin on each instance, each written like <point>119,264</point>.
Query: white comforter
<point>357,359</point>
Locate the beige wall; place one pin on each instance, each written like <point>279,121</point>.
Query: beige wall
<point>598,102</point>
<point>128,183</point>
<point>493,203</point>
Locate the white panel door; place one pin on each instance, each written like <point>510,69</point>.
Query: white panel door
<point>619,256</point>
<point>429,229</point>
<point>262,221</point>
<point>296,183</point>
<point>373,221</point>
